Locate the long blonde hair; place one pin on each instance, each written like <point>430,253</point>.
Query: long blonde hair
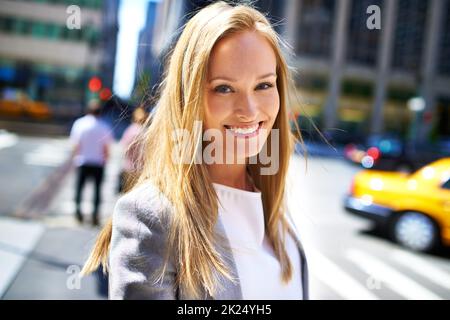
<point>192,240</point>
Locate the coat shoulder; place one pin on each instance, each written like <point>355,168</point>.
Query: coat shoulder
<point>145,203</point>
<point>139,245</point>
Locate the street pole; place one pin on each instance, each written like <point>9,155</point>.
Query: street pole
<point>417,106</point>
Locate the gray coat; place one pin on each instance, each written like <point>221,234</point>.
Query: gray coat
<point>137,250</point>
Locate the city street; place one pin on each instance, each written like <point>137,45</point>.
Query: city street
<point>348,259</point>
<point>41,256</point>
<point>25,162</point>
<point>367,83</point>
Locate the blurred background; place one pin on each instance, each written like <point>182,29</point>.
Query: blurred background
<point>372,198</point>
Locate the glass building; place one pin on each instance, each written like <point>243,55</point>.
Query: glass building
<point>361,79</point>
<point>45,60</point>
<point>348,75</point>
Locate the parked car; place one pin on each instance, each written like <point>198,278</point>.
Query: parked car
<point>391,153</point>
<point>414,208</point>
<point>324,143</point>
<point>16,104</point>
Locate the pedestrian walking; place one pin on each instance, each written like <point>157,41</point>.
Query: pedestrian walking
<point>131,148</point>
<point>91,138</point>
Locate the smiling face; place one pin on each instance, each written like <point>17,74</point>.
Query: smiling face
<point>241,95</point>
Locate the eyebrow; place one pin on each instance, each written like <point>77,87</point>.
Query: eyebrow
<point>271,74</point>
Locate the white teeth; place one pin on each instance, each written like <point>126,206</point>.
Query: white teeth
<point>246,130</point>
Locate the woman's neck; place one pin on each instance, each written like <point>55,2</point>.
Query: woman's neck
<point>232,175</point>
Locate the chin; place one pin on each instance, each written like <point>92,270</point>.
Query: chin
<point>252,148</point>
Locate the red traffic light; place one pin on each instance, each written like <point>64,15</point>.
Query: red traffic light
<point>105,94</point>
<point>95,84</point>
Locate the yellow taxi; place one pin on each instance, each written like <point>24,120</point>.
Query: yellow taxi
<point>36,109</point>
<point>18,104</point>
<point>414,207</point>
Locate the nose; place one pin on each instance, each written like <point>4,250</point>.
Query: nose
<point>247,108</point>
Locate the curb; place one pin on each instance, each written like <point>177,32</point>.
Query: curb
<point>39,200</point>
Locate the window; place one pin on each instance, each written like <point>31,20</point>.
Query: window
<point>444,47</point>
<point>446,185</point>
<point>409,34</point>
<point>41,29</point>
<point>315,29</point>
<point>20,26</point>
<point>91,35</point>
<point>54,31</point>
<point>357,88</point>
<point>362,43</point>
<point>6,24</point>
<point>38,29</point>
<point>73,34</point>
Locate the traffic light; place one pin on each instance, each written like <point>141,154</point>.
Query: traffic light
<point>95,84</point>
<point>105,94</point>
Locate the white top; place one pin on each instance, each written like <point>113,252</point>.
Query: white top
<point>241,213</point>
<point>92,135</point>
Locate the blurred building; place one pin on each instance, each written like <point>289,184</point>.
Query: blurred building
<point>146,64</point>
<point>165,20</point>
<point>45,60</point>
<point>360,79</point>
<point>110,30</point>
<point>350,76</point>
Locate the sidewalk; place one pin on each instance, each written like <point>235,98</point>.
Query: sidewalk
<point>31,128</point>
<point>40,258</point>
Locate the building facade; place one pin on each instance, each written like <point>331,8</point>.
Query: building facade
<point>361,79</point>
<point>45,56</point>
<point>171,15</point>
<point>146,65</point>
<point>108,42</point>
<point>351,75</point>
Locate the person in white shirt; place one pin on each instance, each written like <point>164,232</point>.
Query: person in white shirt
<point>91,138</point>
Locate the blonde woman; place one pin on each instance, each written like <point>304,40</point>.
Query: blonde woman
<point>193,228</point>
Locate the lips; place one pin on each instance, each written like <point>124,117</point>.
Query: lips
<point>244,130</point>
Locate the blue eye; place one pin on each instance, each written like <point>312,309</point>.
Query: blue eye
<point>264,86</point>
<point>223,89</point>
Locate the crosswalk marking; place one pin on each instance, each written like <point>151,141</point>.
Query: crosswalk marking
<point>7,139</point>
<point>338,280</point>
<point>422,267</point>
<point>45,155</point>
<point>389,276</point>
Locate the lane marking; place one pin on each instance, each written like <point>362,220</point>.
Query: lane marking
<point>46,155</point>
<point>390,276</point>
<point>338,280</point>
<point>422,267</point>
<point>7,139</point>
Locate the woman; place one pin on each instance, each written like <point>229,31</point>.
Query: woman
<point>131,148</point>
<point>192,228</point>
